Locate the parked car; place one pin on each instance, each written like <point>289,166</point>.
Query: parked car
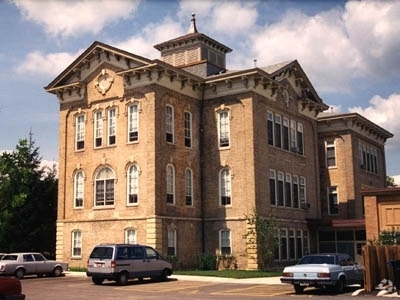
<point>29,263</point>
<point>121,262</point>
<point>324,270</point>
<point>11,289</point>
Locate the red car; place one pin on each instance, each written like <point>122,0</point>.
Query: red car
<point>11,289</point>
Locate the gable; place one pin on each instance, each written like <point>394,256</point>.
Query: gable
<point>96,67</point>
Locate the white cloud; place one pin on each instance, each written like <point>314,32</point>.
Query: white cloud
<point>383,112</point>
<point>46,64</point>
<point>65,18</point>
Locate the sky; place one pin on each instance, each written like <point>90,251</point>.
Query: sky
<point>350,51</point>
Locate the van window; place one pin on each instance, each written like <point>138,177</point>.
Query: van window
<point>151,253</point>
<point>122,253</point>
<point>102,252</point>
<point>137,253</point>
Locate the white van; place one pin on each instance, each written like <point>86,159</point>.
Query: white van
<point>121,262</point>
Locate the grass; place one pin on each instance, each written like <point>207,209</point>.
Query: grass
<point>237,274</point>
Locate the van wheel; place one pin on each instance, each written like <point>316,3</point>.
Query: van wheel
<point>123,278</point>
<point>97,280</point>
<point>164,275</point>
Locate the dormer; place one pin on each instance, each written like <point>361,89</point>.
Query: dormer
<point>195,52</point>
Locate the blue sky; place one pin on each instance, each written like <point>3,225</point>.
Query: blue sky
<point>350,50</point>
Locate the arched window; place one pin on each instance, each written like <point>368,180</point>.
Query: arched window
<point>78,189</point>
<point>225,186</point>
<point>133,123</point>
<point>133,184</point>
<point>130,236</point>
<point>104,187</point>
<point>170,184</point>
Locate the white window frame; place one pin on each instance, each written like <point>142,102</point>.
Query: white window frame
<point>132,185</point>
<point>133,123</point>
<point>98,129</point>
<point>188,187</point>
<point>169,124</point>
<point>172,251</point>
<point>79,132</point>
<point>76,244</point>
<point>79,185</point>
<point>330,153</point>
<point>130,236</point>
<point>170,174</point>
<point>225,187</point>
<point>333,191</point>
<point>188,129</point>
<point>224,129</point>
<point>225,242</point>
<point>105,177</point>
<point>112,127</point>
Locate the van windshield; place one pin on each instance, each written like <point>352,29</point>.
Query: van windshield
<point>102,252</point>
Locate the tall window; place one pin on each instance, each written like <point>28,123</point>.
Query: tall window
<point>98,129</point>
<point>130,236</point>
<point>78,189</point>
<point>133,123</point>
<point>272,187</point>
<point>171,242</point>
<point>76,243</point>
<point>112,126</point>
<point>170,184</point>
<point>299,244</point>
<point>277,133</point>
<point>302,190</point>
<point>188,187</point>
<point>283,244</point>
<point>280,189</point>
<point>104,187</point>
<point>333,200</point>
<point>330,153</point>
<point>285,134</point>
<point>225,242</point>
<point>80,132</point>
<point>223,128</point>
<point>270,128</point>
<point>188,129</point>
<point>288,190</point>
<point>300,146</point>
<point>293,136</point>
<point>133,184</point>
<point>295,183</point>
<point>169,123</point>
<point>225,186</point>
<point>292,244</point>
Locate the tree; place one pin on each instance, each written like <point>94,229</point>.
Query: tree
<point>28,201</point>
<point>390,182</point>
<point>262,235</point>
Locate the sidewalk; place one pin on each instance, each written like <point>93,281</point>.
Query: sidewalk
<point>259,280</point>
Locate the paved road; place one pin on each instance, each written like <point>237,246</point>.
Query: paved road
<point>81,287</point>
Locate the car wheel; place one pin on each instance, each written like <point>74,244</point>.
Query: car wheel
<point>298,289</point>
<point>340,285</point>
<point>20,273</point>
<point>97,280</point>
<point>123,278</point>
<point>57,272</point>
<point>164,275</point>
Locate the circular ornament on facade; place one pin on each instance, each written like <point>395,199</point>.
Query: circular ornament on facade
<point>104,82</point>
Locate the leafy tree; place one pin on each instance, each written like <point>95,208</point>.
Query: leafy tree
<point>28,201</point>
<point>262,235</point>
<point>390,182</point>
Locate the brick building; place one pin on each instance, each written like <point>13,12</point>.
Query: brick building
<point>174,152</point>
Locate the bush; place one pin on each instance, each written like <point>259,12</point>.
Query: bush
<point>206,261</point>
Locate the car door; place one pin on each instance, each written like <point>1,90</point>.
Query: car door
<point>154,265</point>
<point>349,268</point>
<point>138,262</point>
<point>41,266</point>
<point>29,263</point>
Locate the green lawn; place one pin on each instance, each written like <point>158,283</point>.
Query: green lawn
<point>231,273</point>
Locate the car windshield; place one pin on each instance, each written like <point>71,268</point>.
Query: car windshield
<point>317,259</point>
<point>102,252</point>
<point>10,257</point>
